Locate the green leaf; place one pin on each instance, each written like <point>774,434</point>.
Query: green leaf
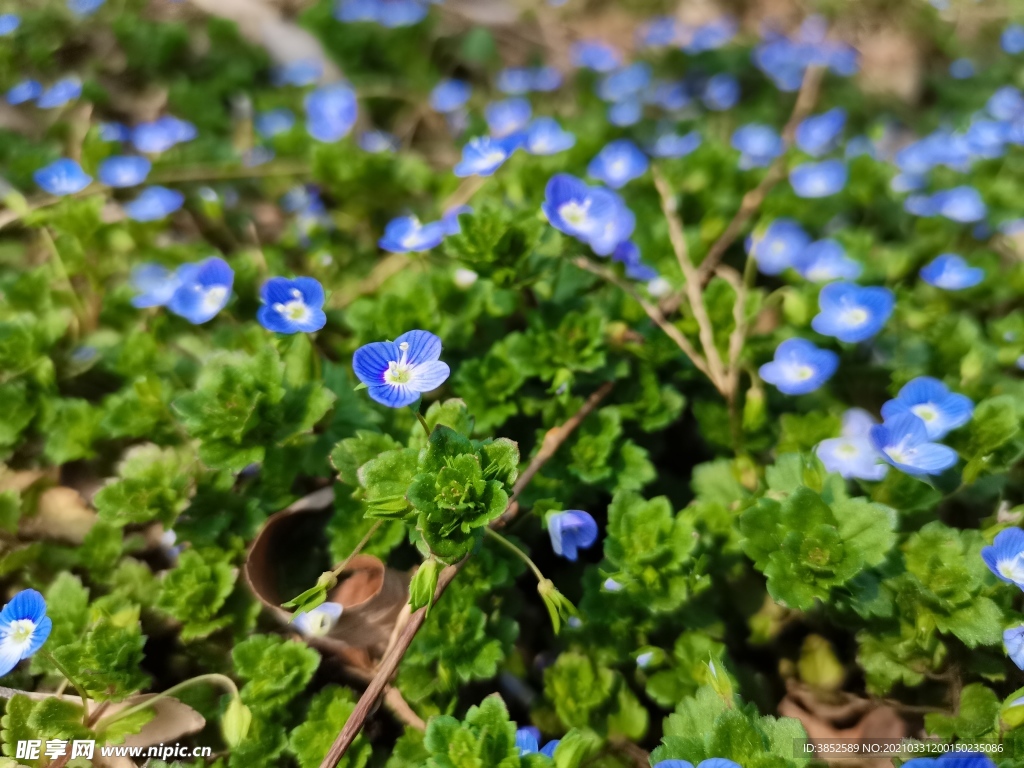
<point>328,712</point>
<point>277,670</point>
<point>196,589</point>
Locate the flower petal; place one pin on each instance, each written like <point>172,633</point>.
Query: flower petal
<point>423,346</point>
<point>371,361</point>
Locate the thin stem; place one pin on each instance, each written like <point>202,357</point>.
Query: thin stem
<point>224,680</point>
<point>359,547</point>
<point>79,689</point>
<point>515,550</point>
<point>423,421</point>
<point>65,275</point>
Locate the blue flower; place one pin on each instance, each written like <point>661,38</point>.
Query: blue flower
<point>546,79</point>
<point>406,234</point>
<point>1012,39</point>
<point>903,442</point>
<point>300,72</point>
<point>450,219</point>
<point>758,145</point>
<point>618,162</point>
<point>273,122</point>
<point>546,137</point>
<point>950,271</point>
<point>124,170</point>
<point>110,131</point>
<point>319,621</point>
<point>154,203</point>
<point>162,134</point>
<point>673,145</point>
<point>852,454</point>
<point>154,285</point>
<point>712,762</point>
<point>203,290</point>
<point>60,93</point>
<point>292,306</point>
<point>1005,556</point>
<point>571,531</point>
<point>941,410</point>
<point>377,142</point>
<point>952,759</point>
<point>776,249</point>
<point>528,742</point>
<point>483,155</point>
<point>24,627</point>
<point>961,204</point>
<point>1013,639</point>
<point>852,313</point>
<point>9,22</point>
<point>711,36</point>
<point>26,90</point>
<point>962,69</point>
<point>627,254</point>
<point>626,112</point>
<point>818,179</point>
<point>861,145</point>
<point>625,82</point>
<point>825,260</point>
<point>330,112</point>
<point>1006,103</point>
<point>596,55</point>
<point>508,116</point>
<point>672,96</point>
<point>387,13</point>
<point>62,177</point>
<point>594,215</point>
<point>398,371</point>
<point>85,7</point>
<point>799,367</point>
<point>721,92</point>
<point>450,95</point>
<point>987,138</point>
<point>819,134</point>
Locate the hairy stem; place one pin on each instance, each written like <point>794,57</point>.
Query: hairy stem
<point>516,551</point>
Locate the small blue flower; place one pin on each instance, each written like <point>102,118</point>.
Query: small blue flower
<point>594,215</point>
<point>852,454</point>
<point>162,134</point>
<point>758,145</point>
<point>659,32</point>
<point>907,182</point>
<point>111,131</point>
<point>1007,103</point>
<point>319,621</point>
<point>721,92</point>
<point>1005,557</point>
<point>861,145</point>
<point>124,170</point>
<point>819,134</point>
<point>154,203</point>
<point>571,531</point>
<point>929,399</point>
<point>712,762</point>
<point>852,313</point>
<point>627,254</point>
<point>508,116</point>
<point>596,55</point>
<point>950,272</point>
<point>387,13</point>
<point>799,367</point>
<point>24,627</point>
<point>62,177</point>
<point>818,179</point>
<point>776,249</point>
<point>619,162</point>
<point>545,136</point>
<point>520,80</point>
<point>903,442</point>
<point>85,7</point>
<point>330,112</point>
<point>9,22</point>
<point>406,234</point>
<point>671,96</point>
<point>1013,639</point>
<point>962,69</point>
<point>292,306</point>
<point>625,82</point>
<point>450,219</point>
<point>300,72</point>
<point>26,90</point>
<point>549,748</point>
<point>825,260</point>
<point>668,145</point>
<point>376,142</point>
<point>528,740</point>
<point>274,122</point>
<point>483,155</point>
<point>450,95</point>
<point>961,204</point>
<point>626,112</point>
<point>987,138</point>
<point>711,36</point>
<point>154,285</point>
<point>1012,39</point>
<point>203,290</point>
<point>398,371</point>
<point>60,93</point>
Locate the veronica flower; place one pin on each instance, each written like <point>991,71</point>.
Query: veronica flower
<point>330,112</point>
<point>546,137</point>
<point>483,155</point>
<point>907,182</point>
<point>672,96</point>
<point>24,627</point>
<point>85,7</point>
<point>124,170</point>
<point>203,290</point>
<point>961,204</point>
<point>450,95</point>
<point>659,32</point>
<point>758,145</point>
<point>1012,39</point>
<point>721,92</point>
<point>713,762</point>
<point>26,90</point>
<point>776,249</point>
<point>673,145</point>
<point>60,93</point>
<point>1013,639</point>
<point>406,234</point>
<point>154,285</point>
<point>274,122</point>
<point>711,36</point>
<point>9,22</point>
<point>154,203</point>
<point>398,371</point>
<point>1005,556</point>
<point>950,272</point>
<point>377,141</point>
<point>852,313</point>
<point>570,532</point>
<point>799,367</point>
<point>861,145</point>
<point>988,138</point>
<point>624,82</point>
<point>62,177</point>
<point>387,13</point>
<point>627,254</point>
<point>618,162</point>
<point>596,55</point>
<point>300,72</point>
<point>818,179</point>
<point>852,454</point>
<point>903,442</point>
<point>292,306</point>
<point>1006,103</point>
<point>594,215</point>
<point>162,134</point>
<point>320,621</point>
<point>528,740</point>
<point>819,134</point>
<point>940,410</point>
<point>450,219</point>
<point>626,112</point>
<point>507,117</point>
<point>825,260</point>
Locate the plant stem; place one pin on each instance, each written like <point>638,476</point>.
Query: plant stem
<point>359,548</point>
<point>224,680</point>
<point>423,421</point>
<point>515,550</point>
<point>80,689</point>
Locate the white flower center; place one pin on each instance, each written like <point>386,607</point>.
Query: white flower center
<point>574,212</point>
<point>848,450</point>
<point>1012,569</point>
<point>214,297</point>
<point>925,412</point>
<point>854,317</point>
<point>399,371</point>
<point>19,635</point>
<point>801,372</point>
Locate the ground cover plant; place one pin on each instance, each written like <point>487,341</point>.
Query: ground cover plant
<point>400,383</point>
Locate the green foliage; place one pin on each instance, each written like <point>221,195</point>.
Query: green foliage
<point>327,713</point>
<point>195,591</point>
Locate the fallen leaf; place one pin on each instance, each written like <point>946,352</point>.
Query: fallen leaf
<point>62,514</point>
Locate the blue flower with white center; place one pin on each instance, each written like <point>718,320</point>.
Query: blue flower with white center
<point>1013,639</point>
<point>1005,556</point>
<point>1007,103</point>
<point>1012,39</point>
<point>203,290</point>
<point>162,134</point>
<point>406,234</point>
<point>330,112</point>
<point>85,7</point>
<point>483,155</point>
<point>154,203</point>
<point>545,136</point>
<point>625,82</point>
<point>799,367</point>
<point>818,179</point>
<point>60,93</point>
<point>778,246</point>
<point>292,306</point>
<point>377,142</point>
<point>852,454</point>
<point>950,272</point>
<point>758,145</point>
<point>507,116</point>
<point>619,162</point>
<point>617,228</point>
<point>626,112</point>
<point>961,204</point>
<point>24,627</point>
<point>515,80</point>
<point>62,177</point>
<point>154,285</point>
<point>659,32</point>
<point>987,138</point>
<point>930,400</point>
<point>819,134</point>
<point>627,254</point>
<point>300,72</point>
<point>903,442</point>
<point>721,92</point>
<point>450,95</point>
<point>571,531</point>
<point>852,313</point>
<point>669,144</point>
<point>576,209</point>
<point>962,69</point>
<point>9,22</point>
<point>826,260</point>
<point>712,762</point>
<point>450,219</point>
<point>319,621</point>
<point>124,170</point>
<point>596,55</point>
<point>398,371</point>
<point>26,90</point>
<point>274,122</point>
